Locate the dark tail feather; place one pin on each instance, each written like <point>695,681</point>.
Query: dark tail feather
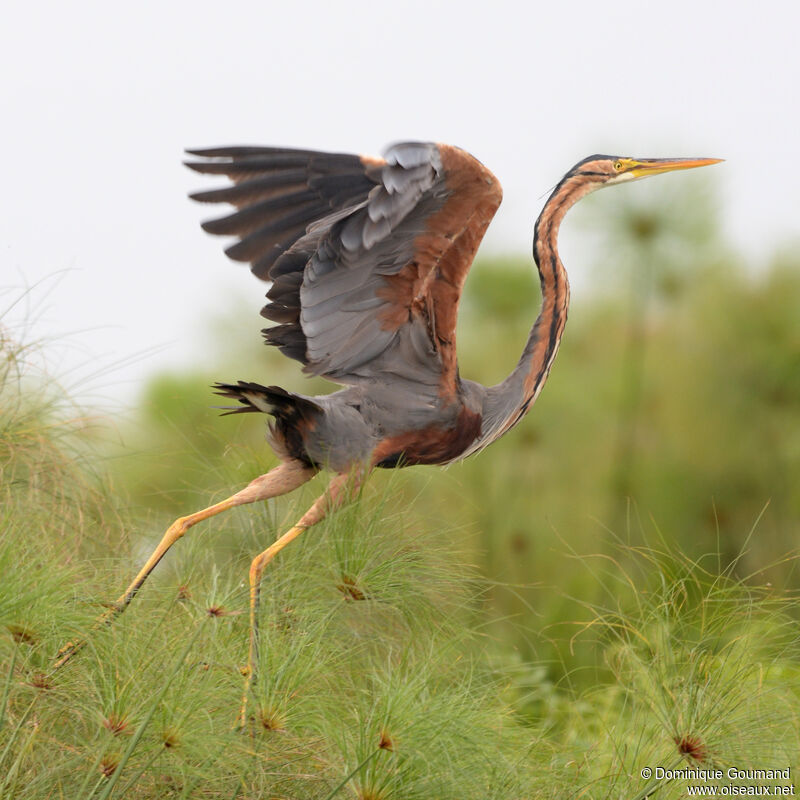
<point>266,400</point>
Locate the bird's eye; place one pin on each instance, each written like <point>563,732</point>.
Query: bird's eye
<point>617,165</point>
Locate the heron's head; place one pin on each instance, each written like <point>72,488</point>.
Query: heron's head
<point>597,171</point>
<point>608,170</point>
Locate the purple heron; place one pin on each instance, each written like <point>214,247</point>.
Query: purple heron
<point>367,257</point>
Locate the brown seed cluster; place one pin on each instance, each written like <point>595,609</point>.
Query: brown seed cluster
<point>116,723</point>
<point>349,588</point>
<point>386,742</point>
<point>39,680</point>
<point>21,635</point>
<point>170,738</point>
<point>109,764</point>
<point>220,611</point>
<point>692,747</point>
<point>271,720</point>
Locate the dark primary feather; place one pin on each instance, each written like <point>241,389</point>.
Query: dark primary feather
<point>366,256</point>
<point>279,193</point>
<point>241,194</point>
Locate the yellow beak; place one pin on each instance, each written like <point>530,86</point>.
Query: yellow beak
<point>640,168</point>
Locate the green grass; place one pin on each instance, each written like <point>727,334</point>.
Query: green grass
<point>612,586</point>
<point>382,672</point>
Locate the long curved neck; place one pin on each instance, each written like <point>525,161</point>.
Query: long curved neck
<point>509,401</point>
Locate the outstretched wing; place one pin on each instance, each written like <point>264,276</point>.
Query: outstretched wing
<point>367,256</point>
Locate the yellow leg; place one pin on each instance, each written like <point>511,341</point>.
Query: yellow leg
<point>285,477</point>
<point>339,489</point>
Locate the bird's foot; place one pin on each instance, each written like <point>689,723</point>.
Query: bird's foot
<point>66,653</point>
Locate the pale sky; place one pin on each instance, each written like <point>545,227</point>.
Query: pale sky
<point>98,101</point>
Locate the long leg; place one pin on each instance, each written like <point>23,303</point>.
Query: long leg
<point>285,477</point>
<point>339,489</point>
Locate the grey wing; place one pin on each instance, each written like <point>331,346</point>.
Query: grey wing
<point>278,192</point>
<point>370,287</point>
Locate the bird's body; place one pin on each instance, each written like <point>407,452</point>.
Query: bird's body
<point>367,258</point>
<point>366,425</point>
<point>367,295</point>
